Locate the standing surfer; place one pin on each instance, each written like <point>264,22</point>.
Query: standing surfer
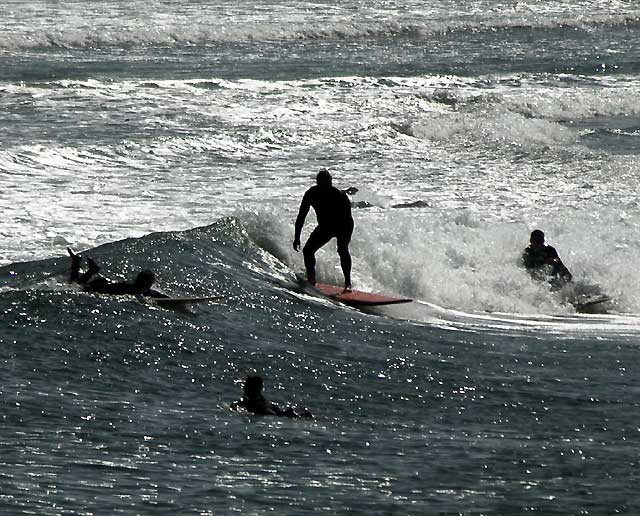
<point>333,212</point>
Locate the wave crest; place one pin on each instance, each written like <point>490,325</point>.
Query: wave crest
<point>199,33</point>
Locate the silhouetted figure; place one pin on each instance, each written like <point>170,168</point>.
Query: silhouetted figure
<point>141,286</point>
<point>543,263</point>
<point>333,211</point>
<point>254,402</point>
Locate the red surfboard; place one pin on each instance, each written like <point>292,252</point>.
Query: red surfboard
<point>356,298</point>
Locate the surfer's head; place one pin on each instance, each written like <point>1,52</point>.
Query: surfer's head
<point>323,178</point>
<point>253,387</point>
<point>145,280</point>
<point>537,238</point>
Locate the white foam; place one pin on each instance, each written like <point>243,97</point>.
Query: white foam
<point>178,154</point>
<point>496,128</point>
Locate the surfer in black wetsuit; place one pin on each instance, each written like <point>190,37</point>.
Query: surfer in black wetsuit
<point>333,211</point>
<point>254,402</point>
<point>141,286</point>
<point>543,263</point>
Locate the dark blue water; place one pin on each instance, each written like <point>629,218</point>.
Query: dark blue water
<point>111,404</point>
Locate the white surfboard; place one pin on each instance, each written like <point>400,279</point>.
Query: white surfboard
<point>590,303</point>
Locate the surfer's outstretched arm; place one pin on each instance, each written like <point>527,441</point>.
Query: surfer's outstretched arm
<point>561,270</point>
<point>305,205</point>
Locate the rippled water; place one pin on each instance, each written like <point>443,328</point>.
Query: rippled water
<point>124,126</point>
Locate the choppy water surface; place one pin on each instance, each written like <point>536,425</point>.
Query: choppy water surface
<point>181,138</point>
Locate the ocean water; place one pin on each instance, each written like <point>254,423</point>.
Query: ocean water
<point>180,137</point>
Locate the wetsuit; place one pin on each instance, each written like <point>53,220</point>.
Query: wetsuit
<point>333,211</point>
<point>544,264</point>
<point>102,285</point>
<point>261,407</point>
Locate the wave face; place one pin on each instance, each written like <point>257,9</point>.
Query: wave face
<point>181,136</point>
<point>140,395</point>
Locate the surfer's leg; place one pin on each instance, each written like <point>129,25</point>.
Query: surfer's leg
<point>317,239</point>
<point>75,266</point>
<point>345,257</point>
<point>91,271</point>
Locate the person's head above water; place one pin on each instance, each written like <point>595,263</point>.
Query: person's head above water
<point>323,178</point>
<point>252,387</point>
<point>537,238</point>
<point>145,280</point>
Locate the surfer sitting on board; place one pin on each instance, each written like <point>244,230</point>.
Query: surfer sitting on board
<point>254,402</point>
<point>141,286</point>
<point>333,211</point>
<point>543,263</point>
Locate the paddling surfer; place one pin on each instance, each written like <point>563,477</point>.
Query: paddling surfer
<point>254,402</point>
<point>89,282</point>
<point>543,263</point>
<point>333,212</point>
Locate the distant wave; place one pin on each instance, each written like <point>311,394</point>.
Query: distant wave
<point>199,34</point>
<point>580,104</point>
<point>524,123</point>
<point>498,128</point>
<point>569,104</point>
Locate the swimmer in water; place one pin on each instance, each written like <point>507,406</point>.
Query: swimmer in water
<point>255,403</point>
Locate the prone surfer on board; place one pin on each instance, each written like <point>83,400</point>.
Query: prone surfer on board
<point>254,402</point>
<point>141,286</point>
<point>333,212</point>
<point>543,263</point>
